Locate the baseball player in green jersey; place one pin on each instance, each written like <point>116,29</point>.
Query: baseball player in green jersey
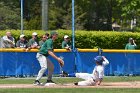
<point>42,56</point>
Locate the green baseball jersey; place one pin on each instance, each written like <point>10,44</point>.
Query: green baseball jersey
<point>130,46</point>
<point>33,42</point>
<point>48,45</point>
<point>66,44</point>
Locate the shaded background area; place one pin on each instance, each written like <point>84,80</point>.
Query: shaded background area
<point>106,15</point>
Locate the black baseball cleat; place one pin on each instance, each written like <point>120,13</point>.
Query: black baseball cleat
<point>50,81</point>
<point>76,83</point>
<point>36,82</point>
<point>64,74</point>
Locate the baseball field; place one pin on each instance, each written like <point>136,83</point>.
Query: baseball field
<point>112,84</point>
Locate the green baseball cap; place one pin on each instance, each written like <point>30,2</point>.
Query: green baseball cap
<point>53,33</point>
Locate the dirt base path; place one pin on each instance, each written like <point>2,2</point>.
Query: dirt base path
<point>104,85</point>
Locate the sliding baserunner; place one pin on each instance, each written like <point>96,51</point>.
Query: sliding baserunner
<point>96,77</point>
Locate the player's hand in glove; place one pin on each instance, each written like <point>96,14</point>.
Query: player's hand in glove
<point>61,62</point>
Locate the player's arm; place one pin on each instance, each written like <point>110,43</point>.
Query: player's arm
<point>135,45</point>
<point>57,58</point>
<point>51,53</point>
<point>105,62</point>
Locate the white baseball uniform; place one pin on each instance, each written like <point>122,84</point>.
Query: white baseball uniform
<point>90,79</point>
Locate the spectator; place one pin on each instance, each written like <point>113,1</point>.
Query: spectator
<point>47,35</point>
<point>33,42</point>
<point>131,45</point>
<point>0,42</point>
<point>44,38</point>
<point>66,44</point>
<point>22,42</point>
<point>8,41</point>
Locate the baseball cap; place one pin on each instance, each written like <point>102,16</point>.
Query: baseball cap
<point>98,59</point>
<point>34,33</point>
<point>53,33</point>
<point>130,39</point>
<point>22,36</point>
<point>66,36</point>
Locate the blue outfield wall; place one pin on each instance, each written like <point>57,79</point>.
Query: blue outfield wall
<point>25,63</point>
<point>120,63</point>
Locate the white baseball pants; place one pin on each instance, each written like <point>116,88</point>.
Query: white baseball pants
<point>44,64</point>
<point>87,77</point>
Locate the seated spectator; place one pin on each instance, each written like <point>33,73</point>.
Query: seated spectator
<point>66,44</point>
<point>44,38</point>
<point>22,42</point>
<point>8,41</point>
<point>33,42</point>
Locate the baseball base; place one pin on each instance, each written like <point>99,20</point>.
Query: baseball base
<point>50,84</point>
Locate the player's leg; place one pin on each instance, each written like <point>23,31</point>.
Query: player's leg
<point>85,76</point>
<point>43,63</point>
<point>50,70</point>
<point>89,82</point>
<point>80,75</point>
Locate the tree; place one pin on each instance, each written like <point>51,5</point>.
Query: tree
<point>128,10</point>
<point>89,14</point>
<point>9,18</point>
<point>32,14</point>
<point>60,15</point>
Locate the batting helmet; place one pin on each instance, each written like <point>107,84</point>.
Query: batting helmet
<point>98,59</point>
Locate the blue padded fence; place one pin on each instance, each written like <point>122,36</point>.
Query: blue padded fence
<point>25,63</point>
<point>120,63</point>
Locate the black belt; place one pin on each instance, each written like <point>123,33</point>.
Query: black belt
<point>43,54</point>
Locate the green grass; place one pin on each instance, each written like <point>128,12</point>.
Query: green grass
<point>65,80</point>
<point>31,80</point>
<point>68,90</point>
<point>121,78</point>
